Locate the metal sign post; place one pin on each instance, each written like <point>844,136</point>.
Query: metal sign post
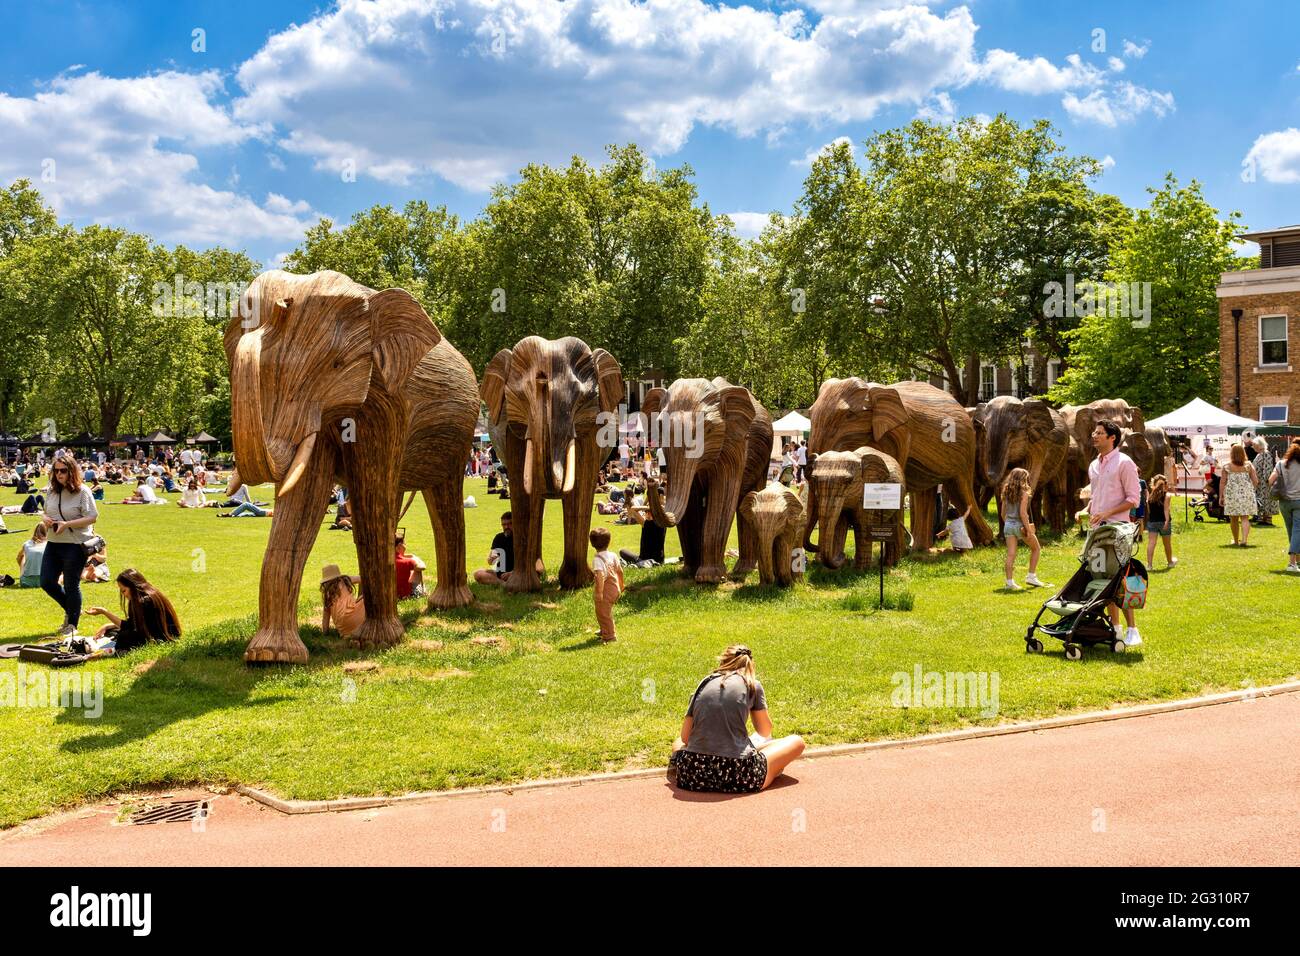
<point>882,497</point>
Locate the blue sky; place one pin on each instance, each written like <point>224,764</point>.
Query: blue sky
<point>294,111</point>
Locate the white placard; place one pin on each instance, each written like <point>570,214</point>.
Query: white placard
<point>884,497</point>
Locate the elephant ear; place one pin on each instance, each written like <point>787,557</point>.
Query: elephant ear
<point>654,402</point>
<point>609,380</point>
<point>401,334</point>
<point>887,411</point>
<point>1136,420</point>
<point>746,506</point>
<point>1038,420</point>
<point>794,507</point>
<point>493,387</point>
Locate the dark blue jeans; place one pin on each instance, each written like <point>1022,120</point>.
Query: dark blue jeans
<point>68,560</point>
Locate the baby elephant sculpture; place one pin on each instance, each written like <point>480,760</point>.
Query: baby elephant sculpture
<point>543,398</point>
<point>836,484</point>
<point>716,440</point>
<point>777,515</point>
<point>329,381</point>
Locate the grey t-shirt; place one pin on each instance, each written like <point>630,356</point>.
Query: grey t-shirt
<point>68,506</point>
<point>1290,479</point>
<point>720,709</point>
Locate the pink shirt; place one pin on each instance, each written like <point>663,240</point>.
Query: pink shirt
<point>1114,485</point>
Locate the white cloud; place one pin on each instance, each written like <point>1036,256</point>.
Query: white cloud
<point>1123,103</point>
<point>1107,162</point>
<point>749,224</point>
<point>1134,52</point>
<point>938,109</point>
<point>812,154</point>
<point>119,153</point>
<point>472,89</point>
<point>1116,64</point>
<point>1276,156</point>
<point>1014,73</point>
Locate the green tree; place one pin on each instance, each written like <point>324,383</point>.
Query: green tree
<point>1180,245</point>
<point>23,217</point>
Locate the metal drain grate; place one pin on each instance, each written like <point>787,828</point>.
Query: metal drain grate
<point>182,811</point>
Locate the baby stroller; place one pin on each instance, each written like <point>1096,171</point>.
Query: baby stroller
<point>1080,608</point>
<point>1210,503</point>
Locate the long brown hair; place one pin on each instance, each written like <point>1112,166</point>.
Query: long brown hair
<point>1016,487</point>
<point>1292,453</point>
<point>329,591</point>
<point>1159,488</point>
<point>74,475</point>
<point>141,594</point>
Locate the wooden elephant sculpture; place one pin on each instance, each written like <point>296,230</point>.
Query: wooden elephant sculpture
<point>1161,451</point>
<point>921,427</point>
<point>716,439</point>
<point>329,381</point>
<point>835,482</point>
<point>776,514</point>
<point>545,403</point>
<point>1010,434</point>
<point>1082,419</point>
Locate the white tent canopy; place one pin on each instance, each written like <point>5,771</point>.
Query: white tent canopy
<point>1199,417</point>
<point>792,424</point>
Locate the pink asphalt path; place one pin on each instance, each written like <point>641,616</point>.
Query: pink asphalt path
<point>1213,785</point>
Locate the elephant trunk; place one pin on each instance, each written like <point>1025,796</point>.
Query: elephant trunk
<point>679,492</point>
<point>766,559</point>
<point>828,516</point>
<point>812,519</point>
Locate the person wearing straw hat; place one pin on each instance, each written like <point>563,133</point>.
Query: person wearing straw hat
<point>340,601</point>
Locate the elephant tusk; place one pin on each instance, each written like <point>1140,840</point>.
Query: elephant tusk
<point>528,467</point>
<point>299,464</point>
<point>569,469</point>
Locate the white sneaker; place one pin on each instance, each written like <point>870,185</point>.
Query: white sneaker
<point>1033,582</point>
<point>1293,569</point>
<point>1173,562</point>
<point>67,630</point>
<point>1013,586</point>
<point>1132,638</point>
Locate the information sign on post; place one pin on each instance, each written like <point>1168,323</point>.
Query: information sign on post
<point>887,496</point>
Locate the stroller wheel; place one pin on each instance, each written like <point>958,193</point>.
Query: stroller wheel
<point>1034,646</point>
<point>1118,646</point>
<point>1073,652</point>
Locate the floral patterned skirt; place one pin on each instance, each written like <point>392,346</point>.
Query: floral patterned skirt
<point>710,773</point>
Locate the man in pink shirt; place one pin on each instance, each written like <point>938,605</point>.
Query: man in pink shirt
<point>1115,490</point>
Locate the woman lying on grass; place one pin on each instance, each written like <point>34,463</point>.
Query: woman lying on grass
<point>714,753</point>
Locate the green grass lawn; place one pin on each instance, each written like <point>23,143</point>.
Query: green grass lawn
<point>520,688</point>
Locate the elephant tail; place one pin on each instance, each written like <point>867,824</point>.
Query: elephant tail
<point>410,500</point>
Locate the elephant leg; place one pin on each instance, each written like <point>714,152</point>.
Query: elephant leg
<point>690,529</point>
<point>371,464</point>
<point>447,515</point>
<point>922,519</point>
<point>748,541</point>
<point>526,512</point>
<point>962,494</point>
<point>575,571</point>
<point>294,527</point>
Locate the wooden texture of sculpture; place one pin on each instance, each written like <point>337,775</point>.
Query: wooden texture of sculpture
<point>705,489</point>
<point>776,514</point>
<point>543,398</point>
<point>921,427</point>
<point>1011,433</point>
<point>331,380</point>
<point>836,482</point>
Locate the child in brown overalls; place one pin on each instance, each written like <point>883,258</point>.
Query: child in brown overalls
<point>608,568</point>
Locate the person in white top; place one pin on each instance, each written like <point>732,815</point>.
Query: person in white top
<point>956,532</point>
<point>193,496</point>
<point>143,495</point>
<point>800,460</point>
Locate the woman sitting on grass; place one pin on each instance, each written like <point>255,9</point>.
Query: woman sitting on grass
<point>30,556</point>
<point>149,614</point>
<point>1017,493</point>
<point>714,754</point>
<point>338,597</point>
<point>193,496</point>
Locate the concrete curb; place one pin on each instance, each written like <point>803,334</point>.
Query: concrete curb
<point>835,750</point>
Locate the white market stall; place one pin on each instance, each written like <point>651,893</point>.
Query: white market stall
<point>793,425</point>
<point>1201,423</point>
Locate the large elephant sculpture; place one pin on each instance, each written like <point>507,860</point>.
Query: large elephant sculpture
<point>726,459</point>
<point>921,427</point>
<point>1011,433</point>
<point>835,482</point>
<point>1161,451</point>
<point>544,400</point>
<point>1082,419</point>
<point>331,380</point>
<point>777,516</point>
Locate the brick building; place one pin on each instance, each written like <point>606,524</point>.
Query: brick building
<point>1259,332</point>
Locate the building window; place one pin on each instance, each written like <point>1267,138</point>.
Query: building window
<point>1272,340</point>
<point>1053,371</point>
<point>988,381</point>
<point>1273,413</point>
